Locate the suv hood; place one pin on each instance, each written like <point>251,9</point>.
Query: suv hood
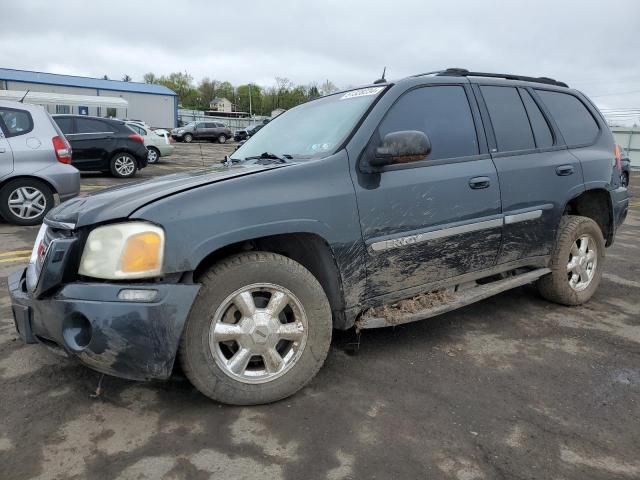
<point>122,200</point>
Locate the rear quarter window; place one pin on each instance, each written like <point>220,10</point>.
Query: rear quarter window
<point>15,122</point>
<point>576,124</point>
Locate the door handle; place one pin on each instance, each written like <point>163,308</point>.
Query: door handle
<point>479,182</point>
<point>564,170</point>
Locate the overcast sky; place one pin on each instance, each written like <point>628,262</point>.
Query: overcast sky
<point>592,45</point>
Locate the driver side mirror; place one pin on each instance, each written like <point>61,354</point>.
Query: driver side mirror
<point>402,147</point>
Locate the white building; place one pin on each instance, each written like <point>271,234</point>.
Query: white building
<point>154,104</point>
<point>629,139</point>
<point>221,105</point>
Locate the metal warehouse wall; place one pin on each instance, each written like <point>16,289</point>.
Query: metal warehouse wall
<point>156,110</point>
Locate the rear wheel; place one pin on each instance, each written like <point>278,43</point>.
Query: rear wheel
<point>259,330</point>
<point>25,201</point>
<point>153,155</point>
<point>576,262</point>
<point>123,165</point>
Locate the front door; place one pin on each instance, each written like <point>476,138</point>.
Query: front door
<point>538,175</point>
<point>6,156</point>
<point>436,218</point>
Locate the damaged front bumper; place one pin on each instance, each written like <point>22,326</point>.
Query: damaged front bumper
<point>100,326</point>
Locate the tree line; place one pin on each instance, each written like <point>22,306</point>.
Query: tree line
<point>260,100</point>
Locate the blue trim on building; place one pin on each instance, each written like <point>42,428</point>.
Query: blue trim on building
<point>42,78</point>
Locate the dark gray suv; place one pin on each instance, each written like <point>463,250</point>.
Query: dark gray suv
<point>205,130</point>
<point>440,190</point>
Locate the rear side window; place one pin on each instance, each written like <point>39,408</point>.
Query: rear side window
<point>15,122</point>
<point>577,125</point>
<point>65,124</point>
<point>509,118</point>
<point>92,125</point>
<point>443,113</point>
<point>541,130</point>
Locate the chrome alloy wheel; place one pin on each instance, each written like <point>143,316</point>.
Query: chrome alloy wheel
<point>125,165</point>
<point>152,155</point>
<point>583,261</point>
<point>258,333</point>
<point>27,202</point>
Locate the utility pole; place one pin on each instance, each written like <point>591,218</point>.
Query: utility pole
<point>250,109</point>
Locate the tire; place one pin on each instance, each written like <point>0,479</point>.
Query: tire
<point>25,201</point>
<point>153,155</point>
<point>558,286</point>
<point>222,139</point>
<point>262,276</point>
<point>624,179</point>
<point>188,138</point>
<point>123,165</point>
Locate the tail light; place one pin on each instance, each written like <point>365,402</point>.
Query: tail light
<point>137,138</point>
<point>618,153</point>
<point>62,149</point>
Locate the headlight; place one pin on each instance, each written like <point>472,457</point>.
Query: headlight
<point>181,131</point>
<point>123,251</point>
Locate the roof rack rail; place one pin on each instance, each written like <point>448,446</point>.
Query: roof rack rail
<point>463,72</point>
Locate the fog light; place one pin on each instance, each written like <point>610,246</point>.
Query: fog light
<point>132,295</point>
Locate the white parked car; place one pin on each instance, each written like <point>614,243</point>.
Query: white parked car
<point>157,145</point>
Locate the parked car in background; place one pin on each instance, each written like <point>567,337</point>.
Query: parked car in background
<point>157,145</point>
<point>35,164</point>
<point>208,130</point>
<point>625,167</point>
<point>103,144</point>
<point>245,133</point>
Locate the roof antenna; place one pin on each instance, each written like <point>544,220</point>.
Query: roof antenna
<point>25,96</point>
<point>381,79</point>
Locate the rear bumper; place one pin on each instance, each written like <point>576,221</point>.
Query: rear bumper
<point>134,340</point>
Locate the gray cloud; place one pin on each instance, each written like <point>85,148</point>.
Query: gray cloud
<point>589,44</point>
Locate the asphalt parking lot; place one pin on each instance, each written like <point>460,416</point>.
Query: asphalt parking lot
<point>510,388</point>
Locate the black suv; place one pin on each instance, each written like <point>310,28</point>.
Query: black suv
<point>439,189</point>
<point>103,144</point>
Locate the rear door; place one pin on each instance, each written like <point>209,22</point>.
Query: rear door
<point>437,218</point>
<point>92,141</point>
<point>538,175</point>
<point>200,130</point>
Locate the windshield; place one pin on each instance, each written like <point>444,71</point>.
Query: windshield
<point>190,124</point>
<point>311,130</point>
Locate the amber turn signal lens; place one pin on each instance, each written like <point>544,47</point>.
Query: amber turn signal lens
<point>142,253</point>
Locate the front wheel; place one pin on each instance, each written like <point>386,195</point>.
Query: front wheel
<point>576,262</point>
<point>222,139</point>
<point>259,330</point>
<point>123,165</point>
<point>25,201</point>
<point>188,138</point>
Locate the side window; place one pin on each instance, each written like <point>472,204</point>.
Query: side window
<point>62,109</point>
<point>137,129</point>
<point>65,124</point>
<point>91,125</point>
<point>443,113</point>
<point>541,130</point>
<point>575,122</point>
<point>201,125</point>
<point>16,122</point>
<point>508,118</point>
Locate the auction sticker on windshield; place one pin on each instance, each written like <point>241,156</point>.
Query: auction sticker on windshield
<point>362,92</point>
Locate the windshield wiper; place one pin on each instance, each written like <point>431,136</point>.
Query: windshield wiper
<point>270,156</point>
